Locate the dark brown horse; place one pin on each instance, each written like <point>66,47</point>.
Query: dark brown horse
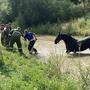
<point>73,45</point>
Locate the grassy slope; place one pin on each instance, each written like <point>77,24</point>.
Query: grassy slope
<point>19,73</point>
<point>60,73</point>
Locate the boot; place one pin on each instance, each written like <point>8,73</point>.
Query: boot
<point>21,51</point>
<point>35,51</point>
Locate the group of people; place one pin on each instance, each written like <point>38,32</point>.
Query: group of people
<point>11,36</point>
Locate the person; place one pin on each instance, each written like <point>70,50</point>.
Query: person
<point>1,30</point>
<point>31,37</point>
<point>4,35</point>
<point>15,37</point>
<point>2,27</point>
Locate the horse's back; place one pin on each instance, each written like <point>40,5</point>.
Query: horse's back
<point>87,39</point>
<point>85,43</point>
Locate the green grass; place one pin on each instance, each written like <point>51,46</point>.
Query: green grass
<point>63,72</point>
<point>20,73</point>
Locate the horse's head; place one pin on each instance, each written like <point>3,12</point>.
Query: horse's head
<point>58,38</point>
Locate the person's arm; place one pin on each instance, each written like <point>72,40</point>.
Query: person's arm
<point>2,38</point>
<point>11,32</point>
<point>34,36</point>
<point>25,37</point>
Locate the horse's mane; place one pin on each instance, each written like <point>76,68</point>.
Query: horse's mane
<point>70,37</point>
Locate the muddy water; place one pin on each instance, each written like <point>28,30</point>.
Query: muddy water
<point>47,48</point>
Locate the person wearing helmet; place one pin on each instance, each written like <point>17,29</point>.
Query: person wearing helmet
<point>15,37</point>
<point>2,27</point>
<point>4,35</point>
<point>1,31</point>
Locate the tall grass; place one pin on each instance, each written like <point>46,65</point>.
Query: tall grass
<point>19,73</point>
<point>59,73</point>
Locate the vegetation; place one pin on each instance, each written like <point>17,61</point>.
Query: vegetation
<point>19,73</point>
<point>34,12</point>
<point>45,17</point>
<point>74,27</point>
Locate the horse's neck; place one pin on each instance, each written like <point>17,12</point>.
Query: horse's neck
<point>66,41</point>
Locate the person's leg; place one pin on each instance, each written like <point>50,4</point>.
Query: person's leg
<point>2,39</point>
<point>19,45</point>
<point>8,42</point>
<point>35,50</point>
<point>12,41</point>
<point>30,47</point>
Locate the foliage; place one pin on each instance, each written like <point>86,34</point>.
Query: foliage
<point>74,27</point>
<point>28,74</point>
<point>76,1</point>
<point>27,13</point>
<point>19,73</point>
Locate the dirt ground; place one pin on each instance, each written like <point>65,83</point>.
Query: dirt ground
<point>45,45</point>
<point>67,63</point>
<point>46,48</point>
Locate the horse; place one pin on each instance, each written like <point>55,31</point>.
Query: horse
<point>72,44</point>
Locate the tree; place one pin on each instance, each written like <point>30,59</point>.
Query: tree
<point>76,1</point>
<point>34,12</point>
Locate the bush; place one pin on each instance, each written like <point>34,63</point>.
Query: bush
<point>74,27</point>
<point>32,12</point>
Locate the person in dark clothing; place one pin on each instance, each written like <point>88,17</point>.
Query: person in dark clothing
<point>2,27</point>
<point>2,34</point>
<point>32,39</point>
<point>15,37</point>
<point>5,36</point>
